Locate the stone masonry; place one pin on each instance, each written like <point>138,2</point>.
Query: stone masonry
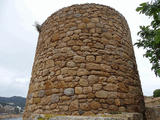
<point>84,65</point>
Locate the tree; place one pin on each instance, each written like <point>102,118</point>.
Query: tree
<point>156,93</point>
<point>16,110</point>
<point>150,34</point>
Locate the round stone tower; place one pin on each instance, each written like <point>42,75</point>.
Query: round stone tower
<point>84,65</point>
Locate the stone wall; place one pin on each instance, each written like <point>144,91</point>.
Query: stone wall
<point>152,108</point>
<point>84,64</point>
<point>153,113</point>
<point>152,101</point>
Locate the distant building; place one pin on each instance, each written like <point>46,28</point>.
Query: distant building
<point>11,103</point>
<point>1,106</point>
<point>9,109</point>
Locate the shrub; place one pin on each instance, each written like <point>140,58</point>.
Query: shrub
<point>38,26</point>
<point>156,93</point>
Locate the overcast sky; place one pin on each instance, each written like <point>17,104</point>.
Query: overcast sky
<point>18,39</point>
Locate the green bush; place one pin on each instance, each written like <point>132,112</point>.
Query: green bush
<point>156,93</point>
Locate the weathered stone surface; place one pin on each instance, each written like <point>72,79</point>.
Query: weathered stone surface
<point>90,58</point>
<point>90,25</point>
<point>92,30</point>
<point>113,108</point>
<point>88,113</point>
<point>112,79</point>
<point>53,106</point>
<point>107,35</point>
<point>82,25</point>
<point>92,79</point>
<point>36,100</point>
<point>54,98</point>
<point>85,48</point>
<point>55,37</point>
<point>82,96</point>
<point>46,100</point>
<point>122,109</point>
<point>98,58</point>
<point>76,48</point>
<point>69,91</point>
<point>95,20</point>
<point>99,46</point>
<point>112,94</point>
<point>86,20</point>
<point>78,90</point>
<point>45,72</point>
<point>102,94</point>
<point>74,105</point>
<point>93,66</point>
<point>48,92</point>
<point>84,106</point>
<point>91,95</point>
<point>69,79</point>
<point>65,98</point>
<point>64,108</point>
<point>77,15</point>
<point>78,59</point>
<point>95,105</point>
<point>110,87</point>
<point>69,33</point>
<point>49,63</point>
<point>87,89</point>
<point>83,82</point>
<point>71,64</point>
<point>41,93</point>
<point>117,102</point>
<point>122,87</point>
<point>82,72</point>
<point>97,86</point>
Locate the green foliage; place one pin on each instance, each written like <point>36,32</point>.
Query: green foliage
<point>156,93</point>
<point>46,117</point>
<point>40,118</point>
<point>150,35</point>
<point>37,26</point>
<point>16,110</point>
<point>115,112</point>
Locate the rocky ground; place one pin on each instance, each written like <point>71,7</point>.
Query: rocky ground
<point>10,116</point>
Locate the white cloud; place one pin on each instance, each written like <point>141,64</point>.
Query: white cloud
<point>11,83</point>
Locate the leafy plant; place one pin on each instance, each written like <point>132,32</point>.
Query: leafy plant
<point>37,26</point>
<point>156,93</point>
<point>40,118</point>
<point>115,112</point>
<point>150,34</point>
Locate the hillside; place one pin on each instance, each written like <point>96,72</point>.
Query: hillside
<point>17,100</point>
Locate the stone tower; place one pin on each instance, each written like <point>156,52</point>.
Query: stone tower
<point>84,65</point>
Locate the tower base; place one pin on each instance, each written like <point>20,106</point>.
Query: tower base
<point>122,116</point>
